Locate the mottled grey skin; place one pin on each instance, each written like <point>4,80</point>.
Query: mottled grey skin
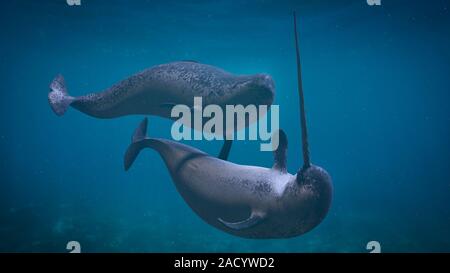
<point>221,192</point>
<point>155,90</point>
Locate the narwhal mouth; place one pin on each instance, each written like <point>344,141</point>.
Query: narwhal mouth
<point>267,96</point>
<point>261,90</point>
<point>266,85</point>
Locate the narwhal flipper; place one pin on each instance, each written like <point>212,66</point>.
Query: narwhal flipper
<point>225,151</point>
<point>254,219</point>
<point>279,154</point>
<point>58,97</point>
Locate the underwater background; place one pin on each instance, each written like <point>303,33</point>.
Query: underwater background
<point>377,91</point>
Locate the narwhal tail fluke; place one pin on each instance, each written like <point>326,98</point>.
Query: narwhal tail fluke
<point>58,97</point>
<point>139,141</point>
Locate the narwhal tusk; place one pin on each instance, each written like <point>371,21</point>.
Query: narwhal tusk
<point>306,160</point>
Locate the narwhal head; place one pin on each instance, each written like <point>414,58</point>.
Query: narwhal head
<point>258,89</point>
<point>307,196</point>
<point>313,192</point>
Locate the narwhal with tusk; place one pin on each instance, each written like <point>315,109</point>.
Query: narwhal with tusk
<point>246,201</point>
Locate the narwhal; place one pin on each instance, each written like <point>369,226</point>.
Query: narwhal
<point>246,201</point>
<point>157,89</point>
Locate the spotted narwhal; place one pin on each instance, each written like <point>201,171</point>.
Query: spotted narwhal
<point>156,90</point>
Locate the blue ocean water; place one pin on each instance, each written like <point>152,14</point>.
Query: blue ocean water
<point>377,88</point>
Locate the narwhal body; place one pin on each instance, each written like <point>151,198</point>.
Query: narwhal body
<point>246,201</point>
<point>156,90</point>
